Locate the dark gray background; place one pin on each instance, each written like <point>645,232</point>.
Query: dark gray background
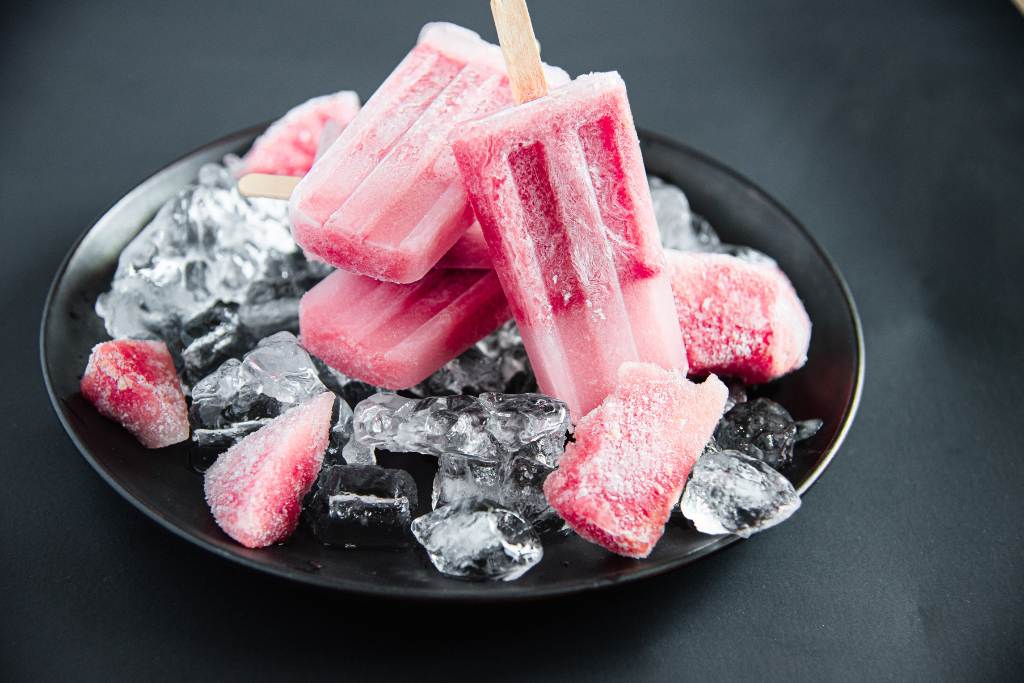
<point>894,130</point>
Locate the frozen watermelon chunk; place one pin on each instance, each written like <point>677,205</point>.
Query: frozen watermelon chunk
<point>739,318</point>
<point>134,382</point>
<point>289,145</point>
<point>256,487</point>
<point>617,484</point>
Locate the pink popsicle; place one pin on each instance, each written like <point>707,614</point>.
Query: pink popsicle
<point>559,188</point>
<point>738,318</point>
<point>385,200</point>
<point>393,335</point>
<point>134,382</point>
<point>617,483</point>
<point>255,489</point>
<point>289,145</point>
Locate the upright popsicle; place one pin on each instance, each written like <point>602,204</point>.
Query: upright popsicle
<point>385,200</point>
<point>559,188</point>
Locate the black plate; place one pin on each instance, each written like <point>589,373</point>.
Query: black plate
<point>162,485</point>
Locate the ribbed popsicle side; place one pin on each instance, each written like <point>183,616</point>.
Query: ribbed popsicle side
<point>393,335</point>
<point>559,188</point>
<point>385,200</point>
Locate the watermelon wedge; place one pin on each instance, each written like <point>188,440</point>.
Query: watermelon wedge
<point>256,487</point>
<point>617,484</point>
<point>289,145</point>
<point>134,382</point>
<point>738,318</point>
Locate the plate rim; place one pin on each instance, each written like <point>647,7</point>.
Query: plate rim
<point>456,594</point>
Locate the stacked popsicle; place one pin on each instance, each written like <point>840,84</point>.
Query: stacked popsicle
<point>385,204</point>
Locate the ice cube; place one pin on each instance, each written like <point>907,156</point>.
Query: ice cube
<point>341,433</point>
<point>487,427</point>
<point>362,506</point>
<point>680,228</point>
<point>760,428</point>
<point>436,425</point>
<point>518,421</point>
<point>211,338</point>
<point>476,539</point>
<point>730,492</point>
<point>805,429</point>
<point>515,482</point>
<point>497,363</point>
<point>521,488</point>
<point>275,376</point>
<point>460,476</point>
<point>208,246</point>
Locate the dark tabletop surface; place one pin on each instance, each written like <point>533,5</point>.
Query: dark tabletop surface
<point>894,130</point>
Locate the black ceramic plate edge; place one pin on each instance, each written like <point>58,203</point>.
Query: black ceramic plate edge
<point>455,593</point>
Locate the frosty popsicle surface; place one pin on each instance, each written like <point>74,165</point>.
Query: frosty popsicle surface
<point>385,199</point>
<point>392,335</point>
<point>559,188</point>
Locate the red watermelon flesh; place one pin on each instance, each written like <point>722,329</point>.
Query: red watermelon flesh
<point>289,145</point>
<point>738,318</point>
<point>617,484</point>
<point>134,382</point>
<point>256,487</point>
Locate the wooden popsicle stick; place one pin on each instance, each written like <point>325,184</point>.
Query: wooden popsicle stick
<point>267,185</point>
<point>521,49</point>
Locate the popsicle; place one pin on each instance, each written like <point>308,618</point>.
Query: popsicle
<point>392,335</point>
<point>737,317</point>
<point>385,200</point>
<point>619,479</point>
<point>559,188</point>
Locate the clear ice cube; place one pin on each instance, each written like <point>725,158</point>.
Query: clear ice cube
<point>680,228</point>
<point>460,476</point>
<point>518,421</point>
<point>209,247</point>
<point>341,433</point>
<point>805,429</point>
<point>732,493</point>
<point>243,394</point>
<point>515,482</point>
<point>521,488</point>
<point>497,363</point>
<point>476,539</point>
<point>683,229</point>
<point>487,427</point>
<point>760,428</point>
<point>435,425</point>
<point>362,506</point>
